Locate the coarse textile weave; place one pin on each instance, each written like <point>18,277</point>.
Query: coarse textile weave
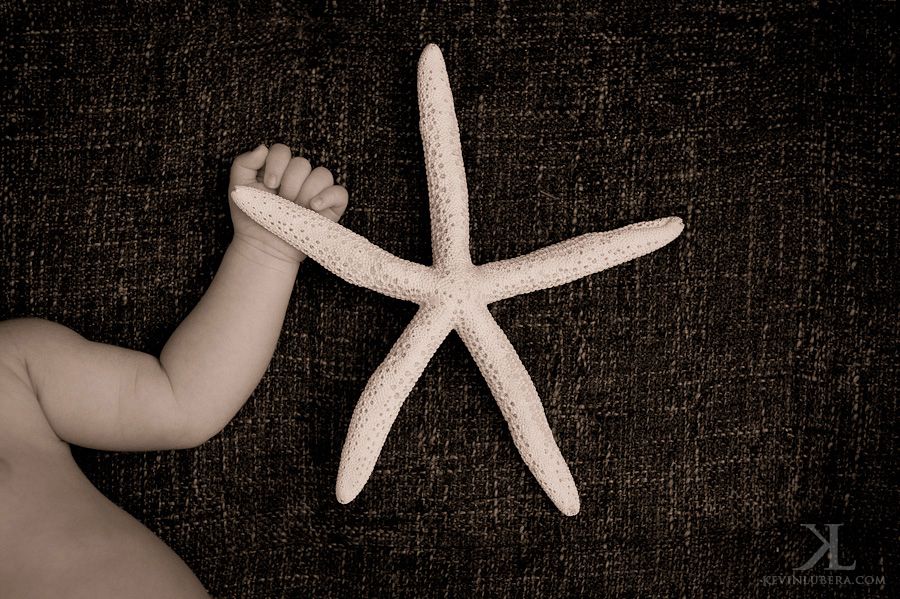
<point>709,398</point>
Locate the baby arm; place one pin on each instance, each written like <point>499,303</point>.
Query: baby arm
<point>105,397</point>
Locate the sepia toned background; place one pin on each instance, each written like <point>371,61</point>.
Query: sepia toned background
<point>709,398</point>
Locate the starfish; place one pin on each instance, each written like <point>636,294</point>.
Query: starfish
<point>453,294</point>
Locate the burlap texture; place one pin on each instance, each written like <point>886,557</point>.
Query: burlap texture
<point>709,398</point>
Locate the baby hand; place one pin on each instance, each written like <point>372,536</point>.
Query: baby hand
<point>274,170</point>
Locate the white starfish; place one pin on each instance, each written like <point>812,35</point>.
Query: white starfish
<point>452,294</point>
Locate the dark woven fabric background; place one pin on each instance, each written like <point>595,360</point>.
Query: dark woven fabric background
<point>709,398</point>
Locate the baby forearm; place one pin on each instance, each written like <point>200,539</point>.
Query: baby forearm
<point>217,356</point>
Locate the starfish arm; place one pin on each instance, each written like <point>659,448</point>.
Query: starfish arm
<point>384,395</point>
<point>520,405</point>
<point>449,197</point>
<point>338,249</point>
<point>575,258</point>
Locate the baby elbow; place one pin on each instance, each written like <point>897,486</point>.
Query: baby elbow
<point>198,435</point>
<point>192,434</point>
<point>196,423</point>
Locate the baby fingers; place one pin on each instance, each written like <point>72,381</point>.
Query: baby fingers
<point>318,180</point>
<point>330,202</point>
<point>245,167</point>
<point>294,177</point>
<point>276,162</point>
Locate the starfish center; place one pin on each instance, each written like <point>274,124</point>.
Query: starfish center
<point>458,288</point>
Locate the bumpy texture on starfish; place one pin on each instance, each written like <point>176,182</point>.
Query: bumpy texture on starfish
<point>452,294</point>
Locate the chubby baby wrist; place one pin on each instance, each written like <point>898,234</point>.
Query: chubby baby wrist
<point>261,253</point>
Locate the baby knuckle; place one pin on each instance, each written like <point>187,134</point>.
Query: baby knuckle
<point>325,174</point>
